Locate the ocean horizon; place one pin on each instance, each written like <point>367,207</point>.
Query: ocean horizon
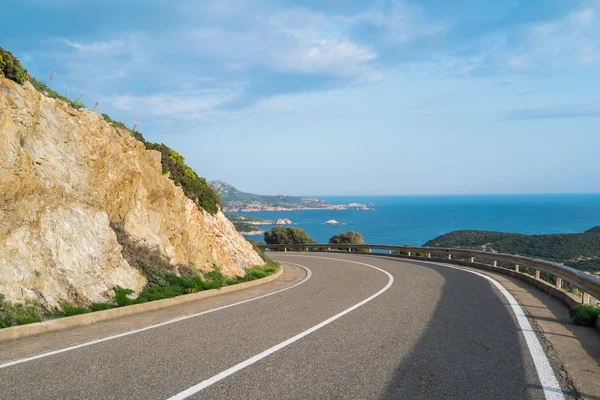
<point>415,219</point>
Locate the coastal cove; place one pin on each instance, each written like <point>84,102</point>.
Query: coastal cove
<point>416,219</point>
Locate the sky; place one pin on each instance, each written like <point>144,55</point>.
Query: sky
<point>341,96</point>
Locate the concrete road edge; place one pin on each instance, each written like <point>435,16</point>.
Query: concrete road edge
<point>37,328</point>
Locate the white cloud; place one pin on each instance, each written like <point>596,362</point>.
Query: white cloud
<point>176,105</point>
<point>97,47</point>
<point>561,43</point>
<point>401,24</point>
<point>286,42</point>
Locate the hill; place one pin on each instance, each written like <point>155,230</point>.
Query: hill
<point>87,204</point>
<point>578,250</point>
<point>247,225</point>
<point>235,200</point>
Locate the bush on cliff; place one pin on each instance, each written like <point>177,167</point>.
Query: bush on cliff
<point>194,187</point>
<point>11,67</point>
<point>43,88</point>
<point>118,124</point>
<point>283,235</point>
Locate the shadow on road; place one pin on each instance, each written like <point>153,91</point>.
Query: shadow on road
<point>471,348</point>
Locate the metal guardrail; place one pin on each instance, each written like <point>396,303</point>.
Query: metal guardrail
<point>587,284</point>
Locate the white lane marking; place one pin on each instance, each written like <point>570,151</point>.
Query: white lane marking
<point>222,375</point>
<point>172,321</point>
<point>550,385</point>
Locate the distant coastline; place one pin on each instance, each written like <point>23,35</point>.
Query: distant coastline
<point>235,201</point>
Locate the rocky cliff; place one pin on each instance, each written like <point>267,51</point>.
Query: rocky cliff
<point>65,174</point>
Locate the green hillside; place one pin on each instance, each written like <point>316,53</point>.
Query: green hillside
<point>578,250</point>
<point>235,200</point>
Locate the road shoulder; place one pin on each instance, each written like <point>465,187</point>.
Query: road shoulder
<point>574,350</point>
<point>63,338</point>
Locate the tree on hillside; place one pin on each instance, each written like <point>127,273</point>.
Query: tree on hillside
<point>349,237</point>
<point>283,235</point>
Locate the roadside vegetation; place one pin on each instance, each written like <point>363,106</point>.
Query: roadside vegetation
<point>164,281</point>
<point>284,235</point>
<point>585,314</point>
<point>349,237</point>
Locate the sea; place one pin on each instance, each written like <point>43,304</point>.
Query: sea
<point>413,220</point>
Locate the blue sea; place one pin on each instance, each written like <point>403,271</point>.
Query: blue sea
<point>414,220</point>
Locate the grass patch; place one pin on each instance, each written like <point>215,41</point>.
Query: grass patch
<point>68,310</point>
<point>43,88</point>
<point>164,281</point>
<point>31,311</point>
<point>585,314</point>
<point>19,314</point>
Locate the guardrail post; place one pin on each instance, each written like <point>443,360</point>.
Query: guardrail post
<point>369,249</point>
<point>329,249</point>
<point>585,298</point>
<point>285,249</point>
<point>537,274</point>
<point>495,263</point>
<point>428,255</point>
<point>409,253</point>
<point>349,249</point>
<point>558,283</point>
<point>389,252</point>
<point>517,267</point>
<point>472,260</point>
<point>449,256</point>
<point>306,250</point>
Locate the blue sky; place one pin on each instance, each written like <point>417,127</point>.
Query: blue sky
<point>339,97</point>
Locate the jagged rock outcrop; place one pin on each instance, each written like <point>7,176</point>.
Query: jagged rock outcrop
<point>65,174</point>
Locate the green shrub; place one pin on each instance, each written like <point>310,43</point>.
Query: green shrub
<point>18,314</point>
<point>585,314</point>
<point>194,187</point>
<point>284,235</point>
<point>122,296</point>
<point>11,67</point>
<point>101,306</point>
<point>119,124</point>
<point>349,237</point>
<point>215,276</point>
<point>43,88</point>
<point>69,310</point>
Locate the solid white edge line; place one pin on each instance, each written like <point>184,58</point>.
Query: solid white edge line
<point>222,375</point>
<point>146,328</point>
<point>550,385</point>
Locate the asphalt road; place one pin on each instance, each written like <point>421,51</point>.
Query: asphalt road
<point>403,330</point>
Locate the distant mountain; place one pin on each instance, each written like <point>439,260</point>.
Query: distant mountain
<point>577,250</point>
<point>247,225</point>
<point>235,200</point>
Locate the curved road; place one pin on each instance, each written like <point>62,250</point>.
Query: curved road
<point>334,326</point>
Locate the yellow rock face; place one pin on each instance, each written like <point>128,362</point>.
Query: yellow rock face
<point>64,175</point>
